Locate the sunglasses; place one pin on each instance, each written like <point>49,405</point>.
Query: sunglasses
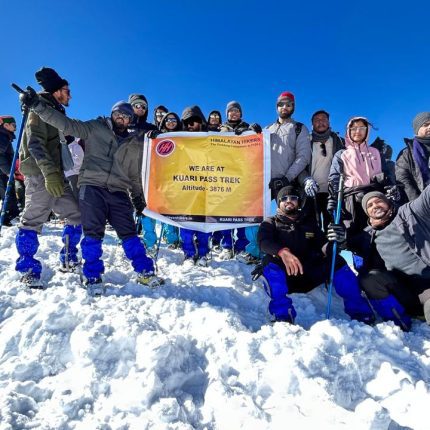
<point>192,121</point>
<point>291,198</point>
<point>140,106</point>
<point>234,110</point>
<point>361,128</point>
<point>118,114</point>
<point>285,104</point>
<point>323,150</point>
<point>171,120</point>
<point>66,90</point>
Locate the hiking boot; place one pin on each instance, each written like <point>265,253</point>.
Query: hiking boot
<point>247,258</point>
<point>149,280</point>
<point>94,286</point>
<point>70,267</point>
<point>202,261</point>
<point>226,254</point>
<point>31,281</point>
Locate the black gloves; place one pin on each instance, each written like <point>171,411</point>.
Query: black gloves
<point>29,98</point>
<point>331,206</point>
<point>152,134</point>
<point>139,204</point>
<point>393,193</point>
<point>276,184</point>
<point>256,127</point>
<point>336,233</point>
<point>238,131</point>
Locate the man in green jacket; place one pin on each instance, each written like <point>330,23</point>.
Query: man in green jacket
<point>46,189</point>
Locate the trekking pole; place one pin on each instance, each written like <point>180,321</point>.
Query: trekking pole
<point>158,247</point>
<point>10,180</point>
<point>317,213</point>
<point>334,252</point>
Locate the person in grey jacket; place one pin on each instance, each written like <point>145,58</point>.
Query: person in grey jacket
<point>111,168</point>
<point>290,154</point>
<point>403,240</point>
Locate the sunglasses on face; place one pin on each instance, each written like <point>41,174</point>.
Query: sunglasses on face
<point>66,90</point>
<point>234,110</point>
<point>285,104</point>
<point>171,120</point>
<point>192,121</point>
<point>291,198</point>
<point>118,114</point>
<point>140,106</point>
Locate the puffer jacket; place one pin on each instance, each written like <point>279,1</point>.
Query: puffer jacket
<point>40,149</point>
<point>6,150</point>
<point>360,164</point>
<point>290,154</point>
<point>408,172</point>
<point>104,164</point>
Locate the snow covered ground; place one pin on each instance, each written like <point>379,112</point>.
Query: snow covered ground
<point>197,353</point>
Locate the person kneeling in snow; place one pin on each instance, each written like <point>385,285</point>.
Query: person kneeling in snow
<point>296,261</point>
<point>392,257</point>
<point>110,169</point>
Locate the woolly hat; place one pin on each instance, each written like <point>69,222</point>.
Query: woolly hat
<point>370,195</point>
<point>137,98</point>
<point>231,105</point>
<point>49,80</point>
<point>123,107</point>
<point>7,119</point>
<point>286,95</point>
<point>419,120</point>
<point>289,190</point>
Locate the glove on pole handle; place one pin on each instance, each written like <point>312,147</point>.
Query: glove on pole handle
<point>334,253</point>
<point>12,167</point>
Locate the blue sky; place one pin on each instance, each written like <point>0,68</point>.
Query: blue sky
<point>363,58</point>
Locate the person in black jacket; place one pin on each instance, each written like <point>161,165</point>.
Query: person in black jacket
<point>296,261</point>
<point>140,109</point>
<point>7,135</point>
<point>214,121</point>
<point>412,165</point>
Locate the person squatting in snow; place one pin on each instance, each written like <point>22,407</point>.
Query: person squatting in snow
<point>298,259</point>
<point>111,167</point>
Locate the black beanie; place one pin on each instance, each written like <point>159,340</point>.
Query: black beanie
<point>289,190</point>
<point>49,80</point>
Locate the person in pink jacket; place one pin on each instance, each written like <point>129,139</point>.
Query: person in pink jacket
<point>363,171</point>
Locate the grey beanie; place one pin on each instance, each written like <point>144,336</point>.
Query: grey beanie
<point>369,196</point>
<point>233,104</point>
<point>419,120</point>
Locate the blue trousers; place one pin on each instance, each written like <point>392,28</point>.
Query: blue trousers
<point>201,249</point>
<point>99,205</point>
<point>278,284</point>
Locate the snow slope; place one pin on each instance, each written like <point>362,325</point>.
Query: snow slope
<point>197,353</point>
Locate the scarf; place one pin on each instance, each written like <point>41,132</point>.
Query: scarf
<point>321,137</point>
<point>421,159</point>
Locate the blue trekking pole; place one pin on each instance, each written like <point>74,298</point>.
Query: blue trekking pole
<point>334,252</point>
<point>10,180</point>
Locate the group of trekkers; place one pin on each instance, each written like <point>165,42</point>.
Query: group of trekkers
<point>89,174</point>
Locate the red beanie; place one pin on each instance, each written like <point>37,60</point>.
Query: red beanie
<point>286,95</point>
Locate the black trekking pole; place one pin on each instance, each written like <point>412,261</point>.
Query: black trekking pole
<point>334,252</point>
<point>10,180</point>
